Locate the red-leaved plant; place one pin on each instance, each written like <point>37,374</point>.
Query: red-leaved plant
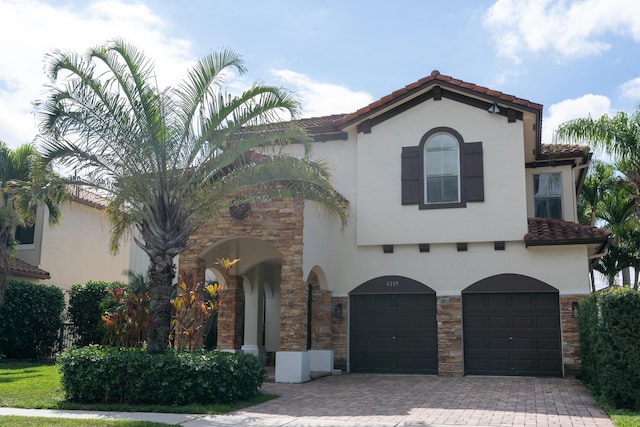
<point>193,305</point>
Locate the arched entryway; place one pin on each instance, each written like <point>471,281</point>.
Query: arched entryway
<point>249,317</point>
<point>511,326</point>
<point>393,327</point>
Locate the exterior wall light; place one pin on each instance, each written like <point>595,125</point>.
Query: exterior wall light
<point>337,310</point>
<point>575,309</point>
<point>494,109</point>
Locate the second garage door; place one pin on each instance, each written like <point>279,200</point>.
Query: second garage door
<point>512,333</point>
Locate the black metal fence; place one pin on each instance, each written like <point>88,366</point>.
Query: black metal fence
<point>67,336</point>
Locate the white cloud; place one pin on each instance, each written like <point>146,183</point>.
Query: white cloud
<point>320,99</point>
<point>36,28</point>
<point>631,89</point>
<point>590,105</point>
<point>568,28</point>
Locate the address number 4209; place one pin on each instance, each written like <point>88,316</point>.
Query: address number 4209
<point>393,283</point>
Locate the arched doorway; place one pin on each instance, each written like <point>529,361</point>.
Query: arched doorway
<point>393,327</point>
<point>511,326</point>
<point>249,316</point>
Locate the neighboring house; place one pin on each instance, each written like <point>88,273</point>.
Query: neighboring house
<point>74,251</point>
<point>462,255</point>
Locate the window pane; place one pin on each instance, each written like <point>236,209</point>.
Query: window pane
<point>554,184</point>
<point>540,184</point>
<point>442,169</point>
<point>450,162</point>
<point>434,190</point>
<point>450,189</point>
<point>433,163</point>
<point>25,235</point>
<point>541,208</point>
<point>555,208</point>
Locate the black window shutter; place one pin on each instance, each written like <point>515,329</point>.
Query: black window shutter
<point>411,175</point>
<point>473,172</point>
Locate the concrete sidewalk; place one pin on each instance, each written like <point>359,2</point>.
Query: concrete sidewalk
<point>394,400</point>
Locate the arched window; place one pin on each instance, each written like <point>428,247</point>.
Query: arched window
<point>442,169</point>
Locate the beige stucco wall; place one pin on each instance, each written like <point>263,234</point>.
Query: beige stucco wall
<point>366,169</point>
<point>381,218</point>
<point>77,249</point>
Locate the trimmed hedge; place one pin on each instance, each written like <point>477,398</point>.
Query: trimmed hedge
<point>86,308</point>
<point>135,376</point>
<point>610,346</point>
<point>30,320</point>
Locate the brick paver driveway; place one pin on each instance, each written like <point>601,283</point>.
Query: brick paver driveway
<point>401,400</point>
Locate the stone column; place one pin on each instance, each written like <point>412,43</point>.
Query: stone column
<point>339,332</point>
<point>449,317</point>
<point>230,314</point>
<point>571,356</point>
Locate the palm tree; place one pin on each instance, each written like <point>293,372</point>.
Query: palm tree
<point>23,187</point>
<point>170,160</point>
<point>620,136</point>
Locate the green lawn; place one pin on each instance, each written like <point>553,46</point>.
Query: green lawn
<point>625,418</point>
<point>37,386</point>
<point>61,422</point>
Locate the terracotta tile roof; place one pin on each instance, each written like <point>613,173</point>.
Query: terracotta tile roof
<point>20,268</point>
<point>563,151</point>
<point>320,128</point>
<point>435,78</point>
<point>86,197</point>
<point>551,231</point>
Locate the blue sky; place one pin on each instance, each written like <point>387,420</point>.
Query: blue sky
<point>574,57</point>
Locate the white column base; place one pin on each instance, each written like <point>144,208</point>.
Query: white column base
<point>253,349</point>
<point>292,367</point>
<point>321,360</point>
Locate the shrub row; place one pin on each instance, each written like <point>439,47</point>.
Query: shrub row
<point>100,374</point>
<point>610,346</point>
<point>30,320</point>
<point>86,306</point>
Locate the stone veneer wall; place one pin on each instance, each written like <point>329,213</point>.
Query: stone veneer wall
<point>280,223</point>
<point>320,316</point>
<point>449,318</point>
<point>571,355</point>
<point>230,321</point>
<point>339,333</point>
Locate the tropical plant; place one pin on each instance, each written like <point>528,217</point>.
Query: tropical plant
<point>169,160</point>
<point>127,320</point>
<point>194,304</point>
<point>23,187</point>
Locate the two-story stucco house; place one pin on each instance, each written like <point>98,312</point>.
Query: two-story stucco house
<point>74,251</point>
<point>462,255</point>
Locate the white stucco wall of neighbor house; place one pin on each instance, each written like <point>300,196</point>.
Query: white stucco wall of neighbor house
<point>77,249</point>
<point>381,218</point>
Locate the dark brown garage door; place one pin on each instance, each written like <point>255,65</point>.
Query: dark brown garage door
<point>393,327</point>
<point>511,333</point>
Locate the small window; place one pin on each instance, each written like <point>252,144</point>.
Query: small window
<point>442,169</point>
<point>25,235</point>
<point>547,195</point>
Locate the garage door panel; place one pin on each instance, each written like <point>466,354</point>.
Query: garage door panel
<point>524,322</point>
<point>402,332</point>
<point>512,334</point>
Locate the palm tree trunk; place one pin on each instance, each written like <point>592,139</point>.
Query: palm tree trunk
<point>161,273</point>
<point>592,276</point>
<point>636,274</point>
